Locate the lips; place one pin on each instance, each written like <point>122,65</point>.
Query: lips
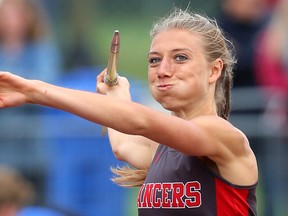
<point>163,87</point>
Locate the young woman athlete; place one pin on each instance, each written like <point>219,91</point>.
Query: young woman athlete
<point>192,162</point>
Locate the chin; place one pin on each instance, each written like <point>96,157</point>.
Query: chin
<point>167,106</point>
<point>167,102</point>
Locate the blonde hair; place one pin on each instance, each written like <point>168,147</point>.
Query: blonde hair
<point>216,45</point>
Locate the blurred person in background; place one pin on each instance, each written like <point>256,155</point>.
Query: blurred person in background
<point>26,41</point>
<point>272,53</point>
<point>271,67</point>
<point>15,192</point>
<point>243,20</point>
<point>27,47</point>
<point>17,196</point>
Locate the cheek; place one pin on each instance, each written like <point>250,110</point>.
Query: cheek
<point>191,85</point>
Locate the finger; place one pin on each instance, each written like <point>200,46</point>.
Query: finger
<point>100,77</point>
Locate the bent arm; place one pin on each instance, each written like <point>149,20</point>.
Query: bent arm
<point>138,151</point>
<point>135,150</point>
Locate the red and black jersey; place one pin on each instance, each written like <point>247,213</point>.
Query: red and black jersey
<point>182,185</point>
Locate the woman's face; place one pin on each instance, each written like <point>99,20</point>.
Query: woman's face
<point>178,71</point>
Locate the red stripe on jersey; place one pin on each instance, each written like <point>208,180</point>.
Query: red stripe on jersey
<point>231,200</point>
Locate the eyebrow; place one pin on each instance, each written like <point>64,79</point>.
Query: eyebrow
<point>173,50</point>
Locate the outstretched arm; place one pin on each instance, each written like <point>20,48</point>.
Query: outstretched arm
<point>105,110</point>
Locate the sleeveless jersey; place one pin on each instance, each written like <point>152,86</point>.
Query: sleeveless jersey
<point>182,185</point>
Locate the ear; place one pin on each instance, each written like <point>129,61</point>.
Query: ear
<point>216,70</point>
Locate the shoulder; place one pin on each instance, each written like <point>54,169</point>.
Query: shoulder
<point>224,134</point>
<point>231,153</point>
<point>218,125</point>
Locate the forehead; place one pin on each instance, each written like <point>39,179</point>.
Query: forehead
<point>175,39</point>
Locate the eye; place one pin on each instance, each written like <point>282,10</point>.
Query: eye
<point>154,60</point>
<point>180,57</point>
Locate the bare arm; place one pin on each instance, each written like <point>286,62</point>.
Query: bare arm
<point>135,150</point>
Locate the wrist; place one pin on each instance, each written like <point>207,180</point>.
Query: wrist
<point>36,91</point>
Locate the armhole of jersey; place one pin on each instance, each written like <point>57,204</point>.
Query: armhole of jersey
<point>226,181</point>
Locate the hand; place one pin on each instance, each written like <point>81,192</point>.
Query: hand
<point>12,90</point>
<point>120,90</point>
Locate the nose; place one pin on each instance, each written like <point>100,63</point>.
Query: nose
<point>164,69</point>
